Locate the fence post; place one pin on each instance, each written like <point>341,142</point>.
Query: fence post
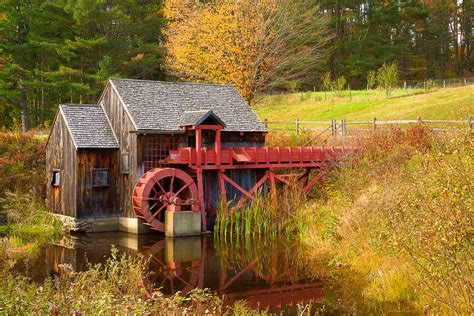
<point>374,123</point>
<point>297,124</point>
<point>465,82</point>
<point>469,123</point>
<point>265,121</point>
<point>424,86</point>
<point>334,127</point>
<point>444,83</point>
<point>343,127</point>
<point>418,119</point>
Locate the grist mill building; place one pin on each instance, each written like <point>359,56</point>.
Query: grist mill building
<point>96,153</point>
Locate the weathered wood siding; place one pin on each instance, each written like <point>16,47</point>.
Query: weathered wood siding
<point>61,155</point>
<point>122,125</point>
<point>94,202</point>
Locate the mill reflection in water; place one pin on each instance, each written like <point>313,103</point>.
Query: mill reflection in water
<point>266,273</point>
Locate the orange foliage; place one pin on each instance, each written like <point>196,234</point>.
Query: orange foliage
<point>247,43</point>
<point>22,163</point>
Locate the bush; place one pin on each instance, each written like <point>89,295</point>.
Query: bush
<point>115,287</point>
<point>403,213</point>
<point>22,164</point>
<point>371,79</point>
<point>387,77</point>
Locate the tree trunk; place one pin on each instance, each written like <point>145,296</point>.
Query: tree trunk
<point>25,124</point>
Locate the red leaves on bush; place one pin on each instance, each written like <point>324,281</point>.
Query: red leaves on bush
<point>22,163</point>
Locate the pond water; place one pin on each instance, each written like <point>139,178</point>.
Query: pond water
<point>268,274</point>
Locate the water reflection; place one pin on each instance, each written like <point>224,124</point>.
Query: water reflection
<point>266,273</point>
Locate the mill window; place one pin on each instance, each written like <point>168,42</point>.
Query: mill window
<point>56,178</point>
<point>100,178</point>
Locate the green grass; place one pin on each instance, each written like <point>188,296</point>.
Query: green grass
<point>450,103</point>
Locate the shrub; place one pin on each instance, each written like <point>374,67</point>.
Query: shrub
<point>115,287</point>
<point>371,79</point>
<point>404,217</point>
<point>22,163</point>
<point>387,77</point>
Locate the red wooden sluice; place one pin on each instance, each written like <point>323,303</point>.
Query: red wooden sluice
<point>160,189</point>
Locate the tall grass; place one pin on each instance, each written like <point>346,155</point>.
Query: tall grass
<point>114,287</point>
<point>401,214</point>
<point>27,219</point>
<point>265,216</point>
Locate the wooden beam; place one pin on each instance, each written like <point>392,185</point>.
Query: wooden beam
<point>253,190</point>
<point>311,184</point>
<point>238,187</point>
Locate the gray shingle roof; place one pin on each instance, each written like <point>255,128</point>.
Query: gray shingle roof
<point>194,118</point>
<point>88,126</point>
<point>156,105</point>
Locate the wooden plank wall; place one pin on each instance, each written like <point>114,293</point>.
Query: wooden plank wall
<point>122,125</point>
<point>97,201</point>
<point>61,155</point>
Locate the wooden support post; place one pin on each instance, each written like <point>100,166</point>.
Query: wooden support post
<point>201,198</point>
<point>218,147</point>
<point>297,125</point>
<point>273,192</point>
<point>343,127</point>
<point>222,191</point>
<point>198,146</point>
<point>374,123</point>
<point>469,123</point>
<point>333,127</point>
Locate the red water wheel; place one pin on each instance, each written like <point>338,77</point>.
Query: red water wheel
<point>162,189</point>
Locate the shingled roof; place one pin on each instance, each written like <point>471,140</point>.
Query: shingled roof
<point>194,118</point>
<point>88,125</point>
<point>159,106</point>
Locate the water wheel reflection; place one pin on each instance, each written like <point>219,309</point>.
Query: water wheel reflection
<point>263,272</point>
<point>176,265</point>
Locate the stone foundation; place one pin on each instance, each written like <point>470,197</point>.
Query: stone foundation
<point>178,224</point>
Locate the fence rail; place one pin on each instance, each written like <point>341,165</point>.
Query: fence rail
<point>342,127</point>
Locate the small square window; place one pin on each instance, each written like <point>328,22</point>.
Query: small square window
<point>56,178</point>
<point>100,178</point>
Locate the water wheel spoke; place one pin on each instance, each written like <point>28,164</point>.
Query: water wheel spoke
<point>153,206</point>
<point>161,263</point>
<point>172,285</point>
<point>171,184</point>
<point>162,282</point>
<point>159,210</point>
<point>161,187</point>
<point>151,199</point>
<point>184,282</point>
<point>182,188</point>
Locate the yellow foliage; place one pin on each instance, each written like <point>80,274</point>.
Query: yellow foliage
<point>240,42</point>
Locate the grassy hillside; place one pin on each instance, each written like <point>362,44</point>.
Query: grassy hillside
<point>450,103</point>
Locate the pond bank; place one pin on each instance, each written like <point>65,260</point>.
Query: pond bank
<point>270,275</point>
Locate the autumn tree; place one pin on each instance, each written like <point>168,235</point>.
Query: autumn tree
<point>253,44</point>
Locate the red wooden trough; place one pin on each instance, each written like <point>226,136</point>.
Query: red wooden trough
<point>174,188</point>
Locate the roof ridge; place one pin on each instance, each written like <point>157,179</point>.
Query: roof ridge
<point>79,105</point>
<point>178,82</point>
<point>195,111</point>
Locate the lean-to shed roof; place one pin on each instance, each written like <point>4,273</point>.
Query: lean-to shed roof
<point>88,125</point>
